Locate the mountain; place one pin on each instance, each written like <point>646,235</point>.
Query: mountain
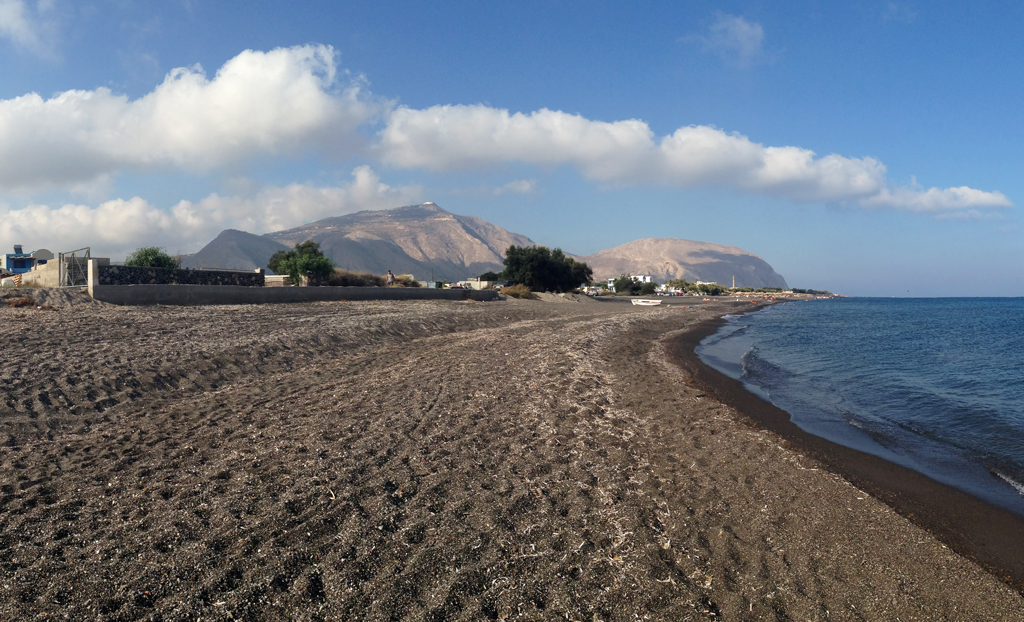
<point>670,258</point>
<point>423,240</point>
<point>236,250</point>
<point>427,241</point>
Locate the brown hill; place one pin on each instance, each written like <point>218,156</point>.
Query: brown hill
<point>427,241</point>
<point>234,249</point>
<point>669,258</point>
<point>422,240</point>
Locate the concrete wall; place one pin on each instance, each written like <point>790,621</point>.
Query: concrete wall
<point>234,295</point>
<point>46,275</point>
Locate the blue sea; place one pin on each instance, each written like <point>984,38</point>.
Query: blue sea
<point>936,385</point>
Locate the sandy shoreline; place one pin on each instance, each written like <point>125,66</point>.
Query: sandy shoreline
<point>990,535</point>
<point>424,461</point>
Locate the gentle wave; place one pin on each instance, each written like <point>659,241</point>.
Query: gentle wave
<point>935,383</point>
<point>1009,480</point>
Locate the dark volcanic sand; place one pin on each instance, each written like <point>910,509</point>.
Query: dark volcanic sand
<point>424,461</point>
<point>988,534</point>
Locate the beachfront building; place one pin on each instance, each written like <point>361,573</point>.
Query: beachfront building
<point>475,282</point>
<point>637,278</point>
<point>20,262</point>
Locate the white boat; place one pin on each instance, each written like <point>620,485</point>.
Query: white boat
<point>646,302</point>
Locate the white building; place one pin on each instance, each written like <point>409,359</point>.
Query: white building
<point>475,282</point>
<point>637,278</point>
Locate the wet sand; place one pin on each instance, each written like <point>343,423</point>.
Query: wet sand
<point>425,461</point>
<point>990,535</point>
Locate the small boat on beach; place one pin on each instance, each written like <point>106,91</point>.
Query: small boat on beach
<point>646,302</point>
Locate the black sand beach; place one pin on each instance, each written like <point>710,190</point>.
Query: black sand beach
<point>427,461</point>
<point>991,536</point>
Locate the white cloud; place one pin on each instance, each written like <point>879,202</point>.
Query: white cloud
<point>519,186</point>
<point>937,200</point>
<point>466,137</point>
<point>732,38</point>
<point>115,228</point>
<point>625,152</point>
<point>296,101</point>
<point>28,29</point>
<point>445,138</point>
<point>16,24</point>
<point>285,101</point>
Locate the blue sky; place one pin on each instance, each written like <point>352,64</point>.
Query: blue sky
<point>865,147</point>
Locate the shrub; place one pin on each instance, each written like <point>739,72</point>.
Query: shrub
<point>518,291</point>
<point>344,278</point>
<point>646,289</point>
<point>406,280</point>
<point>626,286</point>
<point>151,257</point>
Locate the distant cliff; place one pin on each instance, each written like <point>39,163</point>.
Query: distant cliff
<point>670,258</point>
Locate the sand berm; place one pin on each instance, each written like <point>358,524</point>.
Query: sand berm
<point>513,460</point>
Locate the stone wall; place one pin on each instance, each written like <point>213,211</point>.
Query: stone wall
<point>233,295</point>
<point>128,275</point>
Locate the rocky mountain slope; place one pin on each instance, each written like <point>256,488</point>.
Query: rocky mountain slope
<point>669,258</point>
<point>430,242</point>
<point>234,249</point>
<point>422,240</point>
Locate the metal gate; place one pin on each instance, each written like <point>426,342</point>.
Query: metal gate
<point>74,268</point>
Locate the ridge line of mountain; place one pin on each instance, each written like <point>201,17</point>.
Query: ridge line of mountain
<point>453,247</point>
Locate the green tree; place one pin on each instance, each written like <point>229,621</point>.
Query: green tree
<point>306,259</point>
<point>625,285</point>
<point>490,276</point>
<point>151,257</point>
<point>542,269</point>
<point>646,289</point>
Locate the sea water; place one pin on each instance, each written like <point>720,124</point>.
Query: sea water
<point>936,385</point>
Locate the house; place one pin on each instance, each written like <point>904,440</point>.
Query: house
<point>637,278</point>
<point>20,262</point>
<point>474,282</point>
